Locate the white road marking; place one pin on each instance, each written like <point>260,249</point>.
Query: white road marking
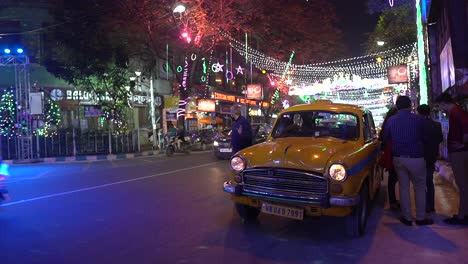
<point>105,185</point>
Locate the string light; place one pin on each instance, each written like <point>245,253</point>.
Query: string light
<point>7,114</point>
<point>421,55</point>
<point>52,119</point>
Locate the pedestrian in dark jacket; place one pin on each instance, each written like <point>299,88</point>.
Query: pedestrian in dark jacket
<point>392,175</point>
<point>241,135</point>
<point>457,140</point>
<point>431,153</point>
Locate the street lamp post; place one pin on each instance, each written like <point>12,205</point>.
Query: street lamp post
<point>180,13</point>
<point>153,114</point>
<point>152,109</point>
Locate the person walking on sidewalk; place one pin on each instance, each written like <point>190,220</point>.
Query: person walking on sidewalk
<point>431,152</point>
<point>387,163</point>
<point>406,131</point>
<point>457,140</point>
<point>241,135</point>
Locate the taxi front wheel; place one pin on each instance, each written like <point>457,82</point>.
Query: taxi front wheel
<point>247,213</point>
<point>356,222</point>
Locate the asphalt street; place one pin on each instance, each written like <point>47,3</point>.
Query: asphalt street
<point>173,210</point>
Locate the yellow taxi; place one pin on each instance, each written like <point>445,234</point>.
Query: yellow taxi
<point>319,159</point>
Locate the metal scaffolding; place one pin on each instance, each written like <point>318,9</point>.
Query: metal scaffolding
<point>22,87</point>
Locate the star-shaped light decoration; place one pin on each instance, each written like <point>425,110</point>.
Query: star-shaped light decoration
<point>240,70</point>
<point>217,67</point>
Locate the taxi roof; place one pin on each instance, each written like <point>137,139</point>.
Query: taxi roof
<point>326,105</point>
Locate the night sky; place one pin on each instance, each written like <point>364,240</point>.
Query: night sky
<point>355,23</point>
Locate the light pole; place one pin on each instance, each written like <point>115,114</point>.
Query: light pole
<point>152,108</point>
<point>180,14</point>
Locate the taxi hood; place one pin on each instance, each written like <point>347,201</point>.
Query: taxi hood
<point>296,153</point>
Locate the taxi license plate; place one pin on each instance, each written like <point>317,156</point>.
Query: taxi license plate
<point>284,211</point>
<point>225,150</point>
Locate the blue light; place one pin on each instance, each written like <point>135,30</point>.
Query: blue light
<point>7,51</point>
<point>19,50</point>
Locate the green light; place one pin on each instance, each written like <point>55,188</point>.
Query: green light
<point>204,66</point>
<point>421,56</point>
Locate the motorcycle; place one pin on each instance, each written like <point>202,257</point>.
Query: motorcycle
<point>3,175</point>
<point>172,146</point>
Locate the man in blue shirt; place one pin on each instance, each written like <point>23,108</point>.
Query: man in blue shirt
<point>406,130</point>
<point>241,135</point>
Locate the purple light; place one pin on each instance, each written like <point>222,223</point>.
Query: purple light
<point>391,2</point>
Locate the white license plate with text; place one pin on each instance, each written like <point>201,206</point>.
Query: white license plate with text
<point>284,211</point>
<point>225,150</point>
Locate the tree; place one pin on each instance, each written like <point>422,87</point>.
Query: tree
<point>396,27</point>
<point>84,50</point>
<point>307,27</point>
<point>7,114</point>
<point>379,6</point>
<point>52,117</point>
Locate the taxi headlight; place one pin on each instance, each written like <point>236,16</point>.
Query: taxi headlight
<point>215,143</point>
<point>238,164</point>
<point>337,172</point>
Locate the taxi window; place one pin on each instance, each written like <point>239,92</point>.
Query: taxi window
<point>369,127</point>
<point>317,124</point>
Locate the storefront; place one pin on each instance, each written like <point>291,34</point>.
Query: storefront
<point>250,108</point>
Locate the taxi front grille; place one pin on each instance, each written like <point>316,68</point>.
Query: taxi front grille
<point>288,182</point>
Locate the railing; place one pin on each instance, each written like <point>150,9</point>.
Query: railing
<point>69,143</point>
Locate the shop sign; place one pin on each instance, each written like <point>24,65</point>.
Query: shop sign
<point>158,101</point>
<point>170,116</point>
<point>254,91</point>
<point>397,74</point>
<point>171,101</point>
<point>225,97</point>
<point>206,105</point>
<point>246,101</point>
<point>87,98</point>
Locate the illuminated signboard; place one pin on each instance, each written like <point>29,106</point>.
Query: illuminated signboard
<point>397,74</point>
<point>206,105</point>
<point>254,91</point>
<point>236,99</point>
<point>246,101</point>
<point>225,97</point>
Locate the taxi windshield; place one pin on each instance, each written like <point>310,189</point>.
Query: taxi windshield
<point>317,124</point>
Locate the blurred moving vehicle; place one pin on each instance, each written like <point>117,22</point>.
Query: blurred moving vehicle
<point>3,175</point>
<point>320,159</point>
<point>222,144</point>
<point>203,138</point>
<point>173,147</point>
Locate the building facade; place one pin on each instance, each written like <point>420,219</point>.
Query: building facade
<point>447,26</point>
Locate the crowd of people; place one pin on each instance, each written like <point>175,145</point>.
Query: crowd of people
<point>411,141</point>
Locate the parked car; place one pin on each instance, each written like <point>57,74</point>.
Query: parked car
<point>222,145</point>
<point>319,159</point>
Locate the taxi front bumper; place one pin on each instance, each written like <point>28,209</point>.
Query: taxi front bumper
<point>323,201</point>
